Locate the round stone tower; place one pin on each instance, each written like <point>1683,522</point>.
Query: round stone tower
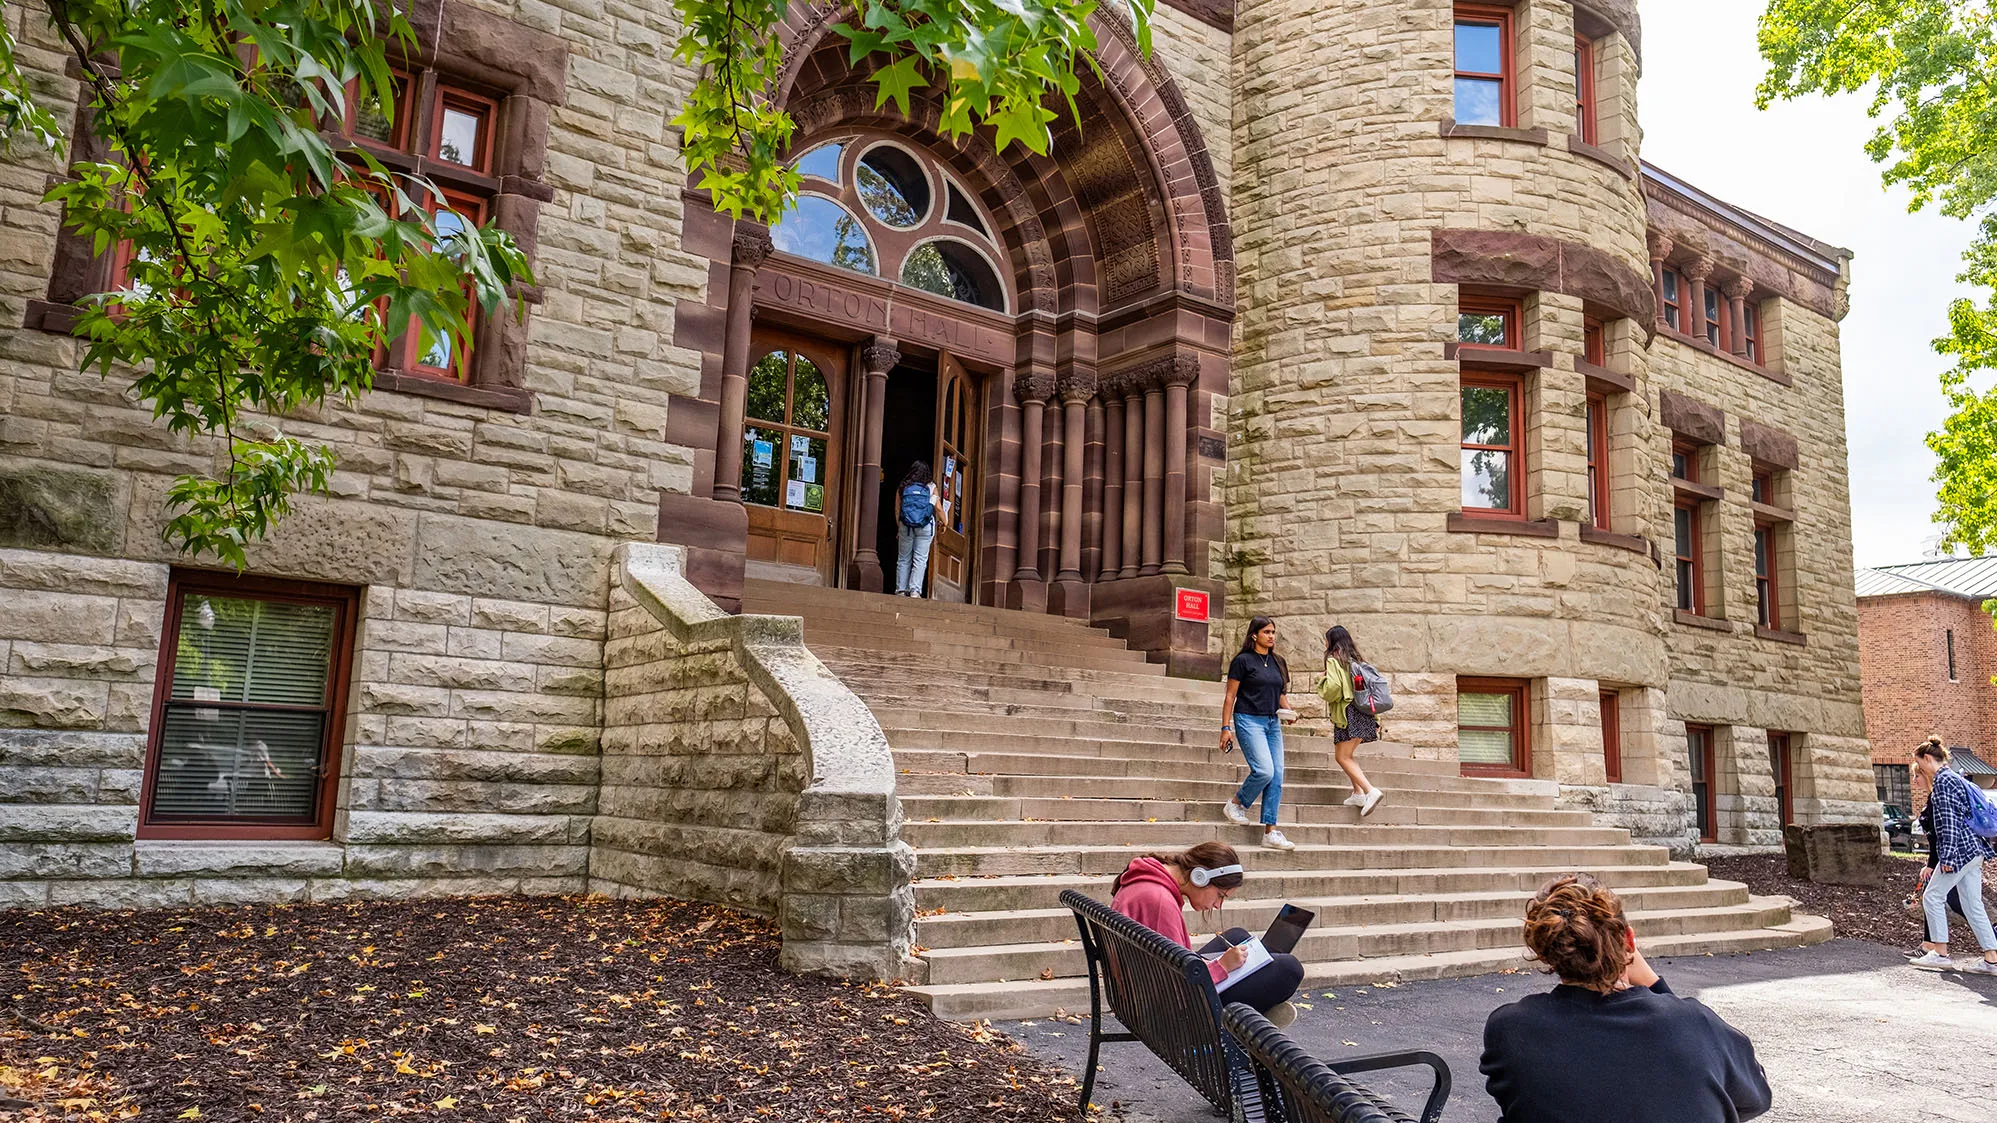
<point>1435,218</point>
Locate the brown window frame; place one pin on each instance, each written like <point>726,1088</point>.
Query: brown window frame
<point>1600,499</point>
<point>180,582</point>
<point>1514,385</point>
<point>1695,564</point>
<point>1520,730</point>
<point>1950,639</point>
<point>1506,308</point>
<point>1508,65</point>
<point>1714,327</point>
<point>1767,587</point>
<point>1612,735</point>
<point>1689,453</point>
<point>1671,308</point>
<point>1594,342</point>
<point>1703,806</point>
<point>1781,764</point>
<point>1761,486</point>
<point>1750,315</point>
<point>1584,89</point>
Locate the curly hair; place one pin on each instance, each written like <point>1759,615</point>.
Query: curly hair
<point>1575,926</point>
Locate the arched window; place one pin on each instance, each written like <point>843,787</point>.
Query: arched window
<point>882,206</point>
<point>822,230</point>
<point>790,423</point>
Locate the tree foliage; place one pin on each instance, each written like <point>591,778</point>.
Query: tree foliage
<point>1930,67</point>
<point>269,266</point>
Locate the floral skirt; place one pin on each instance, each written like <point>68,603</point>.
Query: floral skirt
<point>1363,727</point>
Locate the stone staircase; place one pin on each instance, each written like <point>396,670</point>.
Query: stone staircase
<point>1038,754</point>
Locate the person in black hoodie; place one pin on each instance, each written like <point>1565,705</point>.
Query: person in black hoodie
<point>1611,1043</point>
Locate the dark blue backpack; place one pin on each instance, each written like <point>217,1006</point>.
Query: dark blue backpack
<point>916,510</point>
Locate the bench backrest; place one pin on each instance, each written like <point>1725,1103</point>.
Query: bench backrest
<point>1297,1087</point>
<point>1164,997</point>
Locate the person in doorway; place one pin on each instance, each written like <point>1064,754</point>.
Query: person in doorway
<point>1957,855</point>
<point>1351,726</point>
<point>1257,704</point>
<point>915,518</point>
<point>1154,891</point>
<point>1611,1042</point>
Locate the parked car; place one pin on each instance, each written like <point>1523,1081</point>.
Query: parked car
<point>1900,826</point>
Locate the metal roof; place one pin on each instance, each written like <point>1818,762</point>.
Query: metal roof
<point>1968,763</point>
<point>1822,254</point>
<point>1963,577</point>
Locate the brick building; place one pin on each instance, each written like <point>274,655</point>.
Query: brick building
<point>1927,652</point>
<point>1302,315</point>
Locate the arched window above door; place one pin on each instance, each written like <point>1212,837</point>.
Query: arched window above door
<point>882,206</point>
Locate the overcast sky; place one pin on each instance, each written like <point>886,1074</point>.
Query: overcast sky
<point>1804,165</point>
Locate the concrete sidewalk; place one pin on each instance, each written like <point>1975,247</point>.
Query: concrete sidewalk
<point>1845,1030</point>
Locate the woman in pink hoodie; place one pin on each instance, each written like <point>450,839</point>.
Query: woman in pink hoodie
<point>1154,891</point>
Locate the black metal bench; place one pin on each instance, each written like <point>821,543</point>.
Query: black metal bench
<point>1164,997</point>
<point>1296,1087</point>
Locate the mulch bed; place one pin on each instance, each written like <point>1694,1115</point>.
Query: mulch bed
<point>480,1008</point>
<point>1859,913</point>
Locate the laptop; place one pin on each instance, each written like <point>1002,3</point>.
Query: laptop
<point>1283,934</point>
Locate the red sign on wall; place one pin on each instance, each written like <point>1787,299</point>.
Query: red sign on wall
<point>1191,605</point>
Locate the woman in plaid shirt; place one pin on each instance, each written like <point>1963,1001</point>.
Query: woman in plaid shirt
<point>1958,857</point>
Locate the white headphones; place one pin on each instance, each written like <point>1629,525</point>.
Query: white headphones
<point>1202,876</point>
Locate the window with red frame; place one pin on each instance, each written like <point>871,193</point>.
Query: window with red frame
<point>1493,445</point>
<point>1612,736</point>
<point>1584,89</point>
<point>444,133</point>
<point>1751,330</point>
<point>1493,726</point>
<point>1715,326</point>
<point>1699,756</point>
<point>1781,767</point>
<point>1685,462</point>
<point>1594,342</point>
<point>1598,461</point>
<point>1688,567</point>
<point>1766,591</point>
<point>1761,487</point>
<point>248,712</point>
<point>1484,321</point>
<point>1670,296</point>
<point>1483,60</point>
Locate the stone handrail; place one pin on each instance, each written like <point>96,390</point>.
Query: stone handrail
<point>845,905</point>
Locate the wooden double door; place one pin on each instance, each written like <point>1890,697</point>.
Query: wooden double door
<point>802,442</point>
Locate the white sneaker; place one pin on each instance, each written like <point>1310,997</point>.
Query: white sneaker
<point>1929,961</point>
<point>1281,1014</point>
<point>1980,967</point>
<point>1355,799</point>
<point>1274,840</point>
<point>1235,812</point>
<point>1371,801</point>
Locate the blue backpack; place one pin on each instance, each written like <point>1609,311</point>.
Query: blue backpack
<point>916,510</point>
<point>1982,812</point>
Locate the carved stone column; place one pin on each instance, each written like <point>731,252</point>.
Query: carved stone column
<point>1154,475</point>
<point>1696,272</point>
<point>1179,375</point>
<point>1133,476</point>
<point>1111,391</point>
<point>1092,493</point>
<point>1737,289</point>
<point>1075,387</point>
<point>1032,389</point>
<point>1660,248</point>
<point>751,246</point>
<point>876,360</point>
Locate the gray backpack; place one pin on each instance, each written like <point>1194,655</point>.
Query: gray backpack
<point>1370,694</point>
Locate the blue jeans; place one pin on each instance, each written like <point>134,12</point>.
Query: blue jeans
<point>1261,741</point>
<point>1934,902</point>
<point>912,564</point>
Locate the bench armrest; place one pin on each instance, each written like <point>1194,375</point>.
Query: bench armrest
<point>1431,1111</point>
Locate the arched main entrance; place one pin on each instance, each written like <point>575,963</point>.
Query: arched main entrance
<point>1051,332</point>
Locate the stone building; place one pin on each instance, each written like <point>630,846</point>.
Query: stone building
<point>1345,312</point>
<point>1926,655</point>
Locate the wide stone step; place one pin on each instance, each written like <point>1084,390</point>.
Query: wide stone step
<point>1053,925</point>
<point>1034,998</point>
<point>985,861</point>
<point>935,808</point>
<point>911,678</point>
<point>928,837</point>
<point>970,651</point>
<point>1297,797</point>
<point>1229,769</point>
<point>970,895</point>
<point>907,625</point>
<point>983,731</point>
<point>780,598</point>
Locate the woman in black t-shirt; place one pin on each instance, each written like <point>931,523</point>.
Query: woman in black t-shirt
<point>1257,704</point>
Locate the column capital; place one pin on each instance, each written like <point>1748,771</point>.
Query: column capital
<point>1737,288</point>
<point>1033,385</point>
<point>1075,383</point>
<point>1660,245</point>
<point>751,244</point>
<point>1699,268</point>
<point>879,356</point>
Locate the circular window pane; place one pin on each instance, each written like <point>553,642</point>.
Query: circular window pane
<point>822,230</point>
<point>766,388</point>
<point>893,187</point>
<point>954,270</point>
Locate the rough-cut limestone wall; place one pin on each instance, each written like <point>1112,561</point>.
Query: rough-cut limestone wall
<point>469,767</point>
<point>1343,429</point>
<point>481,537</point>
<point>1198,55</point>
<point>737,769</point>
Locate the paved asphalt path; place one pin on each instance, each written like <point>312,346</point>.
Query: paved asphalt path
<point>1846,1031</point>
